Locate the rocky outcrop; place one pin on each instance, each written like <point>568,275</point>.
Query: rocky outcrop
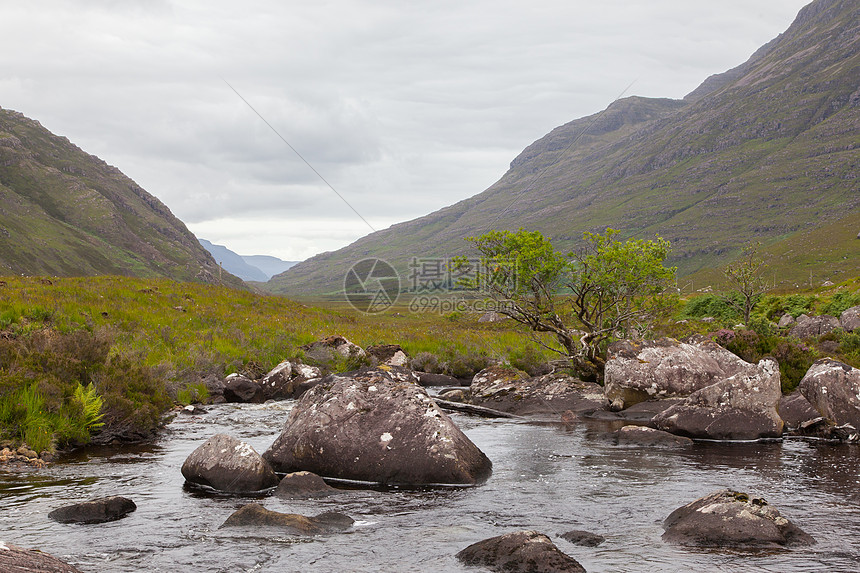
<point>330,351</point>
<point>289,379</point>
<point>520,552</point>
<point>742,407</point>
<point>369,427</point>
<point>303,485</point>
<point>429,379</point>
<point>850,319</point>
<point>833,389</point>
<point>664,368</point>
<point>19,560</point>
<point>730,519</point>
<point>509,390</point>
<point>785,321</point>
<point>389,354</point>
<point>241,389</point>
<point>795,410</point>
<point>99,510</point>
<point>229,465</point>
<point>640,436</point>
<point>813,326</point>
<point>255,515</point>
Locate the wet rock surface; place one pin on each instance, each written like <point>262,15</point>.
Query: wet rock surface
<point>226,464</point>
<point>649,437</point>
<point>520,552</point>
<point>583,538</point>
<point>727,518</point>
<point>509,390</point>
<point>369,427</point>
<point>303,485</point>
<point>19,560</point>
<point>255,515</point>
<point>99,510</point>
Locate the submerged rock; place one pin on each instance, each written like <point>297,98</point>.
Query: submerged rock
<point>368,427</point>
<point>99,510</point>
<point>833,389</point>
<point>742,407</point>
<point>583,538</point>
<point>255,515</point>
<point>19,560</point>
<point>664,368</point>
<point>730,519</point>
<point>303,485</point>
<point>229,465</point>
<point>645,436</point>
<point>520,552</point>
<point>510,390</point>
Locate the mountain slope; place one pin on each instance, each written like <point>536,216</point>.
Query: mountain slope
<point>234,263</point>
<point>764,152</point>
<point>64,212</point>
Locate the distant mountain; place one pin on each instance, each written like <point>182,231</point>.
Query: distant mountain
<point>64,212</point>
<point>258,268</point>
<point>768,151</point>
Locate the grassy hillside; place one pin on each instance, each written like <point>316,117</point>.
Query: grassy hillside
<point>765,152</point>
<point>64,212</point>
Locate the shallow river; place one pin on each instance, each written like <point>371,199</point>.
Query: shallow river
<point>545,477</point>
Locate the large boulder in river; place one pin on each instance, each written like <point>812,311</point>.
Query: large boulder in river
<point>520,552</point>
<point>742,407</point>
<point>730,519</point>
<point>795,410</point>
<point>99,510</point>
<point>289,379</point>
<point>850,319</point>
<point>303,485</point>
<point>255,515</point>
<point>833,388</point>
<point>370,427</point>
<point>664,368</point>
<point>508,390</point>
<point>227,464</point>
<point>241,389</point>
<point>19,560</point>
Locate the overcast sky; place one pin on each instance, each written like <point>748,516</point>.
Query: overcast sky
<point>404,107</point>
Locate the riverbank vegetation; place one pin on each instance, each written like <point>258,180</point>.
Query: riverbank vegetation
<point>76,353</point>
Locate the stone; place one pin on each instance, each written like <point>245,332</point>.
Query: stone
<point>833,389</point>
<point>226,464</point>
<point>509,390</point>
<point>649,437</point>
<point>742,407</point>
<point>428,379</point>
<point>19,560</point>
<point>456,395</point>
<point>850,319</point>
<point>727,518</point>
<point>795,410</point>
<point>243,390</point>
<point>99,510</point>
<point>520,552</point>
<point>813,326</point>
<point>390,354</point>
<point>255,515</point>
<point>785,321</point>
<point>664,368</point>
<point>331,350</point>
<point>371,428</point>
<point>583,538</point>
<point>289,379</point>
<point>303,485</point>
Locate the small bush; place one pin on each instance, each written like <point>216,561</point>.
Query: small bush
<point>528,359</point>
<point>193,394</point>
<point>425,362</point>
<point>840,302</point>
<point>710,305</point>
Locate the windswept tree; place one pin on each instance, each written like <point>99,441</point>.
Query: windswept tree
<point>606,289</point>
<point>746,279</point>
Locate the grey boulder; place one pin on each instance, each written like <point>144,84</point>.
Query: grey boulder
<point>833,389</point>
<point>850,319</point>
<point>255,515</point>
<point>730,519</point>
<point>742,407</point>
<point>226,464</point>
<point>99,510</point>
<point>813,326</point>
<point>372,427</point>
<point>520,552</point>
<point>509,390</point>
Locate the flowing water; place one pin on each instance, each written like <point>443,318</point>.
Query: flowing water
<point>546,477</point>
